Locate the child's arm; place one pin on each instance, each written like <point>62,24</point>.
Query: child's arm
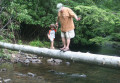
<point>48,35</point>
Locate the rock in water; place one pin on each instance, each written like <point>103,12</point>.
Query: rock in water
<point>78,75</point>
<point>31,74</point>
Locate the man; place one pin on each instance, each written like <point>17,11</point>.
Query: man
<point>65,16</point>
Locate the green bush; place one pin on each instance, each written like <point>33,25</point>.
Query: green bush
<point>3,55</point>
<point>99,40</point>
<point>46,44</point>
<point>116,36</point>
<point>39,43</point>
<point>20,42</point>
<point>36,43</point>
<point>1,37</point>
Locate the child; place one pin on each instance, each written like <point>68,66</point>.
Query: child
<point>51,34</point>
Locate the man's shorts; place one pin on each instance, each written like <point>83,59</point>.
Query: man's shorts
<point>68,35</point>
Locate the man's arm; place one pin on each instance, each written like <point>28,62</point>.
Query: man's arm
<point>77,18</point>
<point>73,14</point>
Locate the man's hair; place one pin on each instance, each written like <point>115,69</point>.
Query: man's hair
<point>59,5</point>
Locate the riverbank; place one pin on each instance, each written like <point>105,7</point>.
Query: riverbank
<point>26,58</point>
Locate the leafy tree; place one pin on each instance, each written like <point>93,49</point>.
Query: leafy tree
<point>100,19</point>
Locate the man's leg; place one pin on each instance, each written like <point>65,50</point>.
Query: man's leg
<point>68,43</point>
<point>64,43</point>
<point>63,40</point>
<point>67,46</point>
<point>69,35</point>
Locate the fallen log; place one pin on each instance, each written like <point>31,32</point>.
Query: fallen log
<point>103,60</point>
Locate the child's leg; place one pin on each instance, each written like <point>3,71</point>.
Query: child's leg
<point>52,45</point>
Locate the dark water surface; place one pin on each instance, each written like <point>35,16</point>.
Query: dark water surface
<point>63,73</point>
<point>105,50</point>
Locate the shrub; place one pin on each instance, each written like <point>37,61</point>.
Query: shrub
<point>36,43</point>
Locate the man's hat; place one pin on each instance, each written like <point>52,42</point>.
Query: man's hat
<point>59,5</point>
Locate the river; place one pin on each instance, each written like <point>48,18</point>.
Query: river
<point>64,73</point>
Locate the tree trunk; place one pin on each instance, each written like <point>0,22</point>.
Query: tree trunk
<point>103,60</point>
<point>1,24</point>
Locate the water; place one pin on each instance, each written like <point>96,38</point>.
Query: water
<point>105,50</point>
<point>46,73</point>
<point>63,73</point>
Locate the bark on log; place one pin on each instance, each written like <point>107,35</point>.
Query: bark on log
<point>103,60</point>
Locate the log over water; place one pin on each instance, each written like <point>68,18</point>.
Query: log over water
<point>104,60</point>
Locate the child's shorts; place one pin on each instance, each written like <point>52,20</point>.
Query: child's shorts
<point>51,39</point>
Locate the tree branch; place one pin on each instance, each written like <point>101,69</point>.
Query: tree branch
<point>9,21</point>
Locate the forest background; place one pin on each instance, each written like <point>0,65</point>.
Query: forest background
<point>29,20</point>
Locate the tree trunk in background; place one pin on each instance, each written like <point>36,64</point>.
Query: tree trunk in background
<point>1,24</point>
<point>103,60</point>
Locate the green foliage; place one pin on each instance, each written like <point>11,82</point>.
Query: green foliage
<point>111,4</point>
<point>99,40</point>
<point>93,14</point>
<point>116,36</point>
<point>37,12</point>
<point>20,12</point>
<point>100,19</point>
<point>1,37</point>
<point>3,55</point>
<point>39,43</point>
<point>96,23</point>
<point>46,44</point>
<point>14,26</point>
<point>20,42</point>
